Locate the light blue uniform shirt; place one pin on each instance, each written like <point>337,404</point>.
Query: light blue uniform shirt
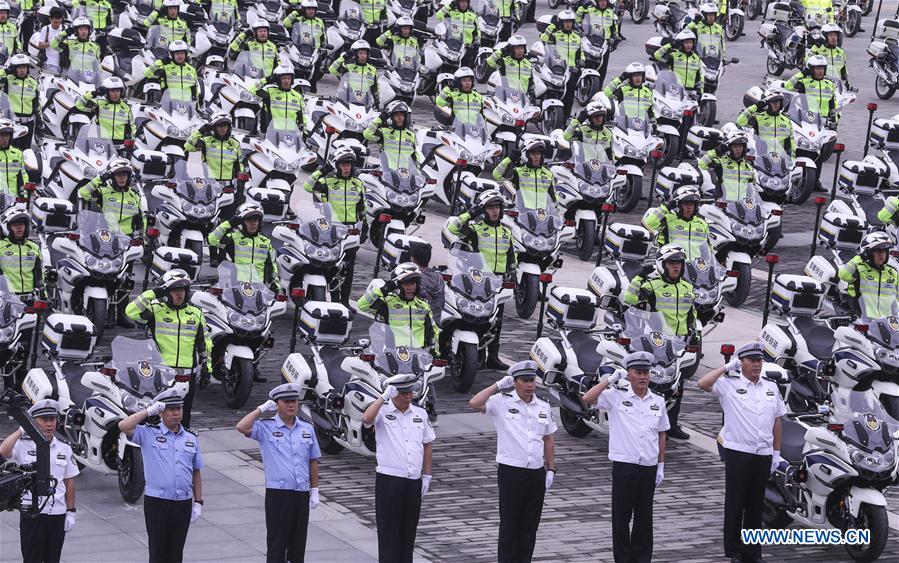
<point>286,452</point>
<point>170,459</point>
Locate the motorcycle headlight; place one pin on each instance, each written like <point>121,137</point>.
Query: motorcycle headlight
<point>353,125</point>
<point>400,200</point>
<point>887,356</point>
<point>807,144</point>
<point>7,333</point>
<point>592,190</point>
<point>203,210</point>
<point>283,166</point>
<point>556,80</point>
<point>172,131</point>
<point>667,112</point>
<point>661,375</point>
<point>132,404</point>
<point>234,317</point>
<point>90,172</point>
<point>631,152</point>
<point>90,261</point>
<point>507,119</point>
<point>245,96</point>
<point>870,461</point>
<point>771,182</point>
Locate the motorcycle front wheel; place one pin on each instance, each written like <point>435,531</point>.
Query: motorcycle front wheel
<point>639,10</point>
<point>738,296</point>
<point>734,28</point>
<point>853,23</point>
<point>465,367</point>
<point>526,295</point>
<point>586,89</point>
<point>238,383</point>
<point>586,239</point>
<point>774,67</point>
<point>672,149</point>
<point>874,519</point>
<point>552,119</point>
<point>806,187</point>
<point>867,6</point>
<point>774,517</point>
<point>707,112</point>
<point>754,9</point>
<point>573,424</point>
<point>884,89</point>
<point>327,443</point>
<point>628,198</point>
<point>553,4</point>
<point>481,70</point>
<point>131,475</point>
<point>96,310</point>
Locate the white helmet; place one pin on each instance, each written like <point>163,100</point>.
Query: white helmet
<point>80,21</point>
<point>7,126</point>
<point>706,9</point>
<point>685,194</point>
<point>171,4</point>
<point>309,4</point>
<point>815,60</point>
<point>4,6</point>
<point>260,23</point>
<point>283,69</point>
<point>19,59</point>
<point>178,45</point>
<point>669,253</point>
<point>490,197</point>
<point>517,41</point>
<point>398,106</point>
<point>218,118</point>
<point>15,214</point>
<point>407,271</point>
<point>360,44</point>
<point>343,154</point>
<point>249,210</point>
<point>635,68</point>
<point>119,165</point>
<point>737,137</point>
<point>830,28</point>
<point>875,241</point>
<point>684,35</point>
<point>173,279</point>
<point>596,108</point>
<point>404,21</point>
<point>463,72</point>
<point>112,83</point>
<point>566,15</point>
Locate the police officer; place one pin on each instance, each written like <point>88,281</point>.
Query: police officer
<point>176,76</point>
<point>734,176</point>
<point>464,102</point>
<point>873,283</point>
<point>112,110</point>
<point>680,57</point>
<point>264,51</point>
<point>397,303</point>
<point>493,241</point>
<point>832,52</point>
<point>591,130</point>
<point>220,149</point>
<point>637,425</point>
<point>99,12</point>
<point>629,90</point>
<point>174,28</point>
<point>681,225</point>
<point>9,33</point>
<point>173,492</point>
<point>120,201</point>
<point>673,296</point>
<point>41,536</point>
<point>533,179</point>
<point>751,437</point>
<point>525,457</point>
<point>820,91</point>
<point>12,162</point>
<point>709,33</point>
<point>768,121</point>
<point>601,13</point>
<point>178,328</point>
<point>22,90</point>
<point>400,37</point>
<point>346,195</point>
<point>373,17</point>
<point>514,66</point>
<point>462,25</point>
<point>363,75</point>
<point>78,46</point>
<point>397,140</point>
<point>244,244</point>
<point>282,104</point>
<point>290,455</point>
<point>568,46</point>
<point>308,21</point>
<point>404,437</point>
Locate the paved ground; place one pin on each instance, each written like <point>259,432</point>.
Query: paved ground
<point>459,518</point>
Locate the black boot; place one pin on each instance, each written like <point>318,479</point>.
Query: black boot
<point>258,378</point>
<point>122,319</point>
<point>676,431</point>
<point>493,361</point>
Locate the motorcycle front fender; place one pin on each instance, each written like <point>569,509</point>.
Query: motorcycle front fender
<point>314,279</point>
<point>235,351</point>
<point>667,130</point>
<point>466,336</point>
<point>546,104</point>
<point>863,495</point>
<point>736,12</point>
<point>528,268</point>
<point>737,258</point>
<point>709,98</point>
<point>95,292</point>
<point>124,442</point>
<point>809,163</point>
<point>506,136</point>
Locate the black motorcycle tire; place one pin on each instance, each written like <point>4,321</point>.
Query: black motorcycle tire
<point>853,23</point>
<point>883,89</point>
<point>753,9</point>
<point>808,186</point>
<point>327,443</point>
<point>131,475</point>
<point>481,70</point>
<point>464,367</point>
<point>628,198</point>
<point>573,424</point>
<point>773,517</point>
<point>875,520</point>
<point>734,28</point>
<point>586,239</point>
<point>586,89</point>
<point>707,112</point>
<point>238,383</point>
<point>744,280</point>
<point>774,68</point>
<point>526,295</point>
<point>96,311</point>
<point>672,149</point>
<point>639,10</point>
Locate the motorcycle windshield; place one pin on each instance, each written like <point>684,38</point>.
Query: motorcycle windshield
<point>473,130</point>
<point>866,424</point>
<point>401,173</point>
<point>510,92</point>
<point>139,366</point>
<point>627,123</point>
<point>771,159</point>
<point>98,237</point>
<point>884,331</point>
<point>11,307</point>
<point>355,89</point>
<point>290,140</point>
<point>5,109</point>
<point>405,60</point>
<point>249,65</point>
<point>554,61</point>
<point>805,110</point>
<point>747,210</point>
<point>709,52</point>
<point>178,103</point>
<point>323,231</point>
<point>83,68</point>
<point>649,332</point>
<point>352,18</point>
<point>592,164</point>
<point>143,7</point>
<point>201,190</point>
<point>543,222</point>
<point>243,290</point>
<point>393,355</point>
<point>158,40</point>
<point>305,37</point>
<point>221,16</point>
<point>667,85</point>
<point>471,277</point>
<point>98,151</point>
<point>702,268</point>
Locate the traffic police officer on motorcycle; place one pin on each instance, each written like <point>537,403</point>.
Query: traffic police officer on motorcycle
<point>591,129</point>
<point>79,45</point>
<point>41,536</point>
<point>834,54</point>
<point>751,438</point>
<point>819,90</point>
<point>681,58</point>
<point>265,52</point>
<point>734,176</point>
<point>306,17</point>
<point>709,33</point>
<point>637,425</point>
<point>533,179</point>
<point>768,121</point>
<point>12,161</point>
<point>397,140</point>
<point>120,201</point>
<point>680,225</point>
<point>514,66</point>
<point>338,185</point>
<point>464,102</point>
<point>173,492</point>
<point>363,75</point>
<point>397,303</point>
<point>525,457</point>
<point>99,12</point>
<point>173,27</point>
<point>404,439</point>
<point>568,46</point>
<point>177,76</point>
<point>493,241</point>
<point>462,25</point>
<point>178,328</point>
<point>873,283</point>
<point>290,454</point>
<point>282,104</point>
<point>631,92</point>
<point>22,90</point>
<point>220,150</point>
<point>244,244</point>
<point>113,113</point>
<point>401,37</point>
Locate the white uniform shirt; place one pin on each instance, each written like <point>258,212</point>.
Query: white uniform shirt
<point>62,466</point>
<point>520,428</point>
<point>634,425</point>
<point>48,34</point>
<point>401,437</point>
<point>750,410</point>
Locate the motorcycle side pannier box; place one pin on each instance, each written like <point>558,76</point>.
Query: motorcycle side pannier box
<point>885,134</point>
<point>878,49</point>
<point>273,201</point>
<point>573,308</point>
<point>53,215</point>
<point>323,322</point>
<point>701,140</point>
<point>628,242</point>
<point>778,11</point>
<point>68,337</point>
<point>796,295</point>
<point>150,165</point>
<point>841,231</point>
<point>670,178</point>
<point>606,281</point>
<point>653,44</point>
<point>396,249</point>
<point>863,177</point>
<point>167,258</point>
<point>887,29</point>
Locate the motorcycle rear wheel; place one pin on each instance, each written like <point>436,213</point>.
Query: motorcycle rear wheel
<point>883,89</point>
<point>774,517</point>
<point>586,89</point>
<point>131,475</point>
<point>464,367</point>
<point>754,9</point>
<point>774,67</point>
<point>481,70</point>
<point>526,295</point>
<point>238,383</point>
<point>734,28</point>
<point>874,519</point>
<point>573,424</point>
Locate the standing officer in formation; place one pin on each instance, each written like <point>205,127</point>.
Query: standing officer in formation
<point>525,454</point>
<point>173,494</point>
<point>290,455</point>
<point>751,437</point>
<point>638,421</point>
<point>404,437</point>
<point>41,535</point>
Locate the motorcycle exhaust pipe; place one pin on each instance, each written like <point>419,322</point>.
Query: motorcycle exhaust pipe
<point>772,260</point>
<point>872,107</point>
<point>838,148</point>
<point>819,204</point>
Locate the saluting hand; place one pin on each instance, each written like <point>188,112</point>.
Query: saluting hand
<point>268,406</point>
<point>733,365</point>
<point>505,383</point>
<point>155,408</point>
<point>616,376</point>
<point>389,393</point>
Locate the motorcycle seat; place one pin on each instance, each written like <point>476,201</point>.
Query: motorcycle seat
<point>78,393</point>
<point>584,345</point>
<point>332,358</point>
<point>819,338</point>
<point>792,440</point>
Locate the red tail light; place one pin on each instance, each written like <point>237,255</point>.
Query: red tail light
<point>510,285</point>
<point>688,113</point>
<point>656,154</point>
<point>108,372</point>
<point>215,290</point>
<point>861,327</point>
<point>36,307</point>
<point>153,233</point>
<point>29,186</point>
<point>772,258</point>
<point>623,340</point>
<point>243,177</point>
<point>439,363</point>
<point>872,106</point>
<point>171,185</point>
<point>461,162</point>
<point>721,204</point>
<point>800,163</point>
<point>227,190</point>
<point>385,218</point>
<point>354,231</point>
<point>128,143</point>
<point>281,298</point>
<point>820,200</point>
<point>447,277</point>
<point>297,293</point>
<point>608,208</point>
<point>137,242</point>
<point>185,378</point>
<point>367,357</point>
<point>430,181</point>
<point>750,157</point>
<point>292,226</point>
<point>569,165</point>
<point>777,212</point>
<point>727,349</point>
<point>839,147</point>
<point>519,123</point>
<point>73,236</point>
<point>330,130</point>
<point>834,427</point>
<point>546,278</point>
<point>733,274</point>
<point>570,222</point>
<point>621,172</point>
<point>692,349</point>
<point>511,213</point>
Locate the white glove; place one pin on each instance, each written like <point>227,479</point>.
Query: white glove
<point>155,408</point>
<point>70,522</point>
<point>313,498</point>
<point>268,406</point>
<point>550,475</point>
<point>507,382</point>
<point>733,365</point>
<point>195,512</point>
<point>660,473</point>
<point>616,376</point>
<point>389,393</point>
<point>775,460</point>
<point>425,485</point>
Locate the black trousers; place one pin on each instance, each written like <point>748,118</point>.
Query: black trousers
<point>493,347</point>
<point>41,537</point>
<point>633,488</point>
<point>745,478</point>
<point>286,521</point>
<point>674,413</point>
<point>521,493</point>
<point>397,508</point>
<point>189,398</point>
<point>167,524</point>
